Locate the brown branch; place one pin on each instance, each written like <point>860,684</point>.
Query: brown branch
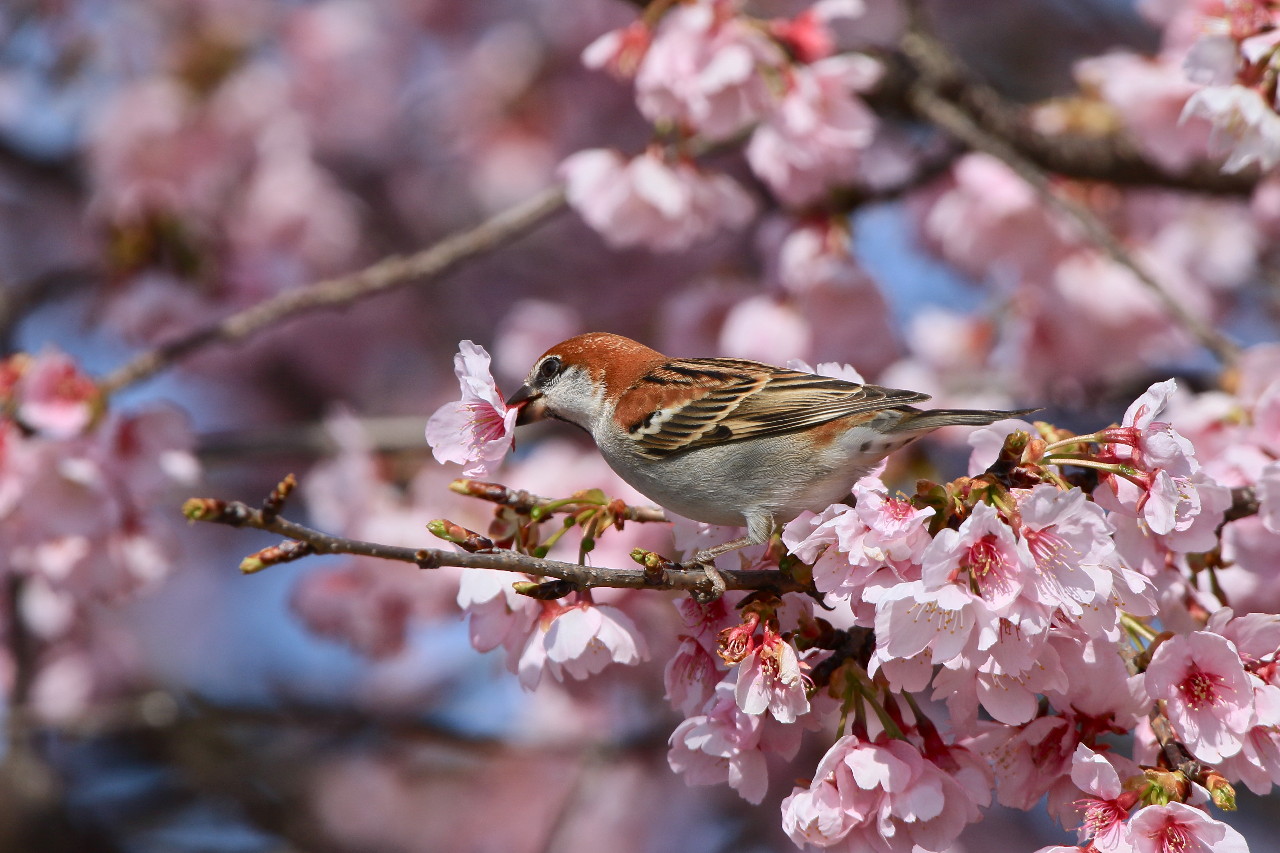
<point>926,98</point>
<point>384,275</point>
<point>525,502</point>
<point>1111,157</point>
<point>672,576</point>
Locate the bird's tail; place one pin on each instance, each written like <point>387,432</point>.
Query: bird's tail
<point>921,421</point>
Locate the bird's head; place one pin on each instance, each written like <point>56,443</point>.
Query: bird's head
<point>581,379</point>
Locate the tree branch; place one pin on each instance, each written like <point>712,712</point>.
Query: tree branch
<point>385,274</point>
<point>670,576</point>
<point>927,99</point>
<point>1110,157</point>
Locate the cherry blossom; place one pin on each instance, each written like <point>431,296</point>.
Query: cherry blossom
<point>703,70</point>
<point>1068,540</point>
<point>770,679</point>
<point>985,553</point>
<point>649,202</point>
<point>815,135</point>
<point>1106,804</point>
<point>54,396</point>
<point>585,639</point>
<point>1179,827</point>
<point>477,430</point>
<point>1245,128</point>
<point>878,796</point>
<point>726,744</point>
<point>1208,693</point>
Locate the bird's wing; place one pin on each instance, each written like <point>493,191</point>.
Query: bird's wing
<point>688,403</point>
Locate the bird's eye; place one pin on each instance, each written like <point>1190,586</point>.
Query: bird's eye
<point>549,368</point>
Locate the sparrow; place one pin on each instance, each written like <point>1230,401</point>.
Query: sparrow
<point>726,440</point>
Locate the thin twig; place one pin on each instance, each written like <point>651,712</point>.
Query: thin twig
<point>950,118</point>
<point>1112,157</point>
<point>675,576</point>
<point>526,502</point>
<point>385,274</point>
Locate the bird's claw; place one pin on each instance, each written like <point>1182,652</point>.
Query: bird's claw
<point>718,585</point>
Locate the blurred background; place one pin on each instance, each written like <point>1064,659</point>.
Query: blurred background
<point>166,163</point>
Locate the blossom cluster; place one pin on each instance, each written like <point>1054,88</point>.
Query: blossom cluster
<point>1012,600</point>
<point>708,71</point>
<point>80,518</point>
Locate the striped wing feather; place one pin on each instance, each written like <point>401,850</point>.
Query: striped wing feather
<point>735,400</point>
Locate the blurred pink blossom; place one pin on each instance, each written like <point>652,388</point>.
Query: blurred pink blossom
<point>703,70</point>
<point>649,202</point>
<point>1246,129</point>
<point>813,138</point>
<point>54,396</point>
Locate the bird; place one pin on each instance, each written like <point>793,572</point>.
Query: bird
<point>727,440</point>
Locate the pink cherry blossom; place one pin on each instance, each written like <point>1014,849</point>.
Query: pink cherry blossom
<point>478,430</point>
<point>498,615</point>
<point>1245,127</point>
<point>619,51</point>
<point>583,640</point>
<point>1028,759</point>
<point>1097,685</point>
<point>1068,539</point>
<point>770,679</point>
<point>814,138</point>
<point>984,553</point>
<point>702,70</point>
<point>690,676</point>
<point>911,618</point>
<point>1106,805</point>
<point>765,329</point>
<point>54,396</point>
<point>1149,95</point>
<point>807,534</point>
<point>812,255</point>
<point>1161,491</point>
<point>1179,828</point>
<point>725,744</point>
<point>1206,690</point>
<point>897,532</point>
<point>649,202</point>
<point>355,606</point>
<point>877,796</point>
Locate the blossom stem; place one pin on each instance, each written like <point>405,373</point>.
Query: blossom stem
<point>1137,628</point>
<point>1086,462</point>
<point>867,692</point>
<point>1092,438</point>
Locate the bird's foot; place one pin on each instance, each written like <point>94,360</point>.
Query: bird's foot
<point>706,560</point>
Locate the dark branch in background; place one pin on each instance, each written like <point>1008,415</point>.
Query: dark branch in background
<point>304,541</point>
<point>386,274</point>
<point>397,434</point>
<point>1111,157</point>
<point>928,99</point>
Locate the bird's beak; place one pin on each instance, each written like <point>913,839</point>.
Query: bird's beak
<point>532,408</point>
